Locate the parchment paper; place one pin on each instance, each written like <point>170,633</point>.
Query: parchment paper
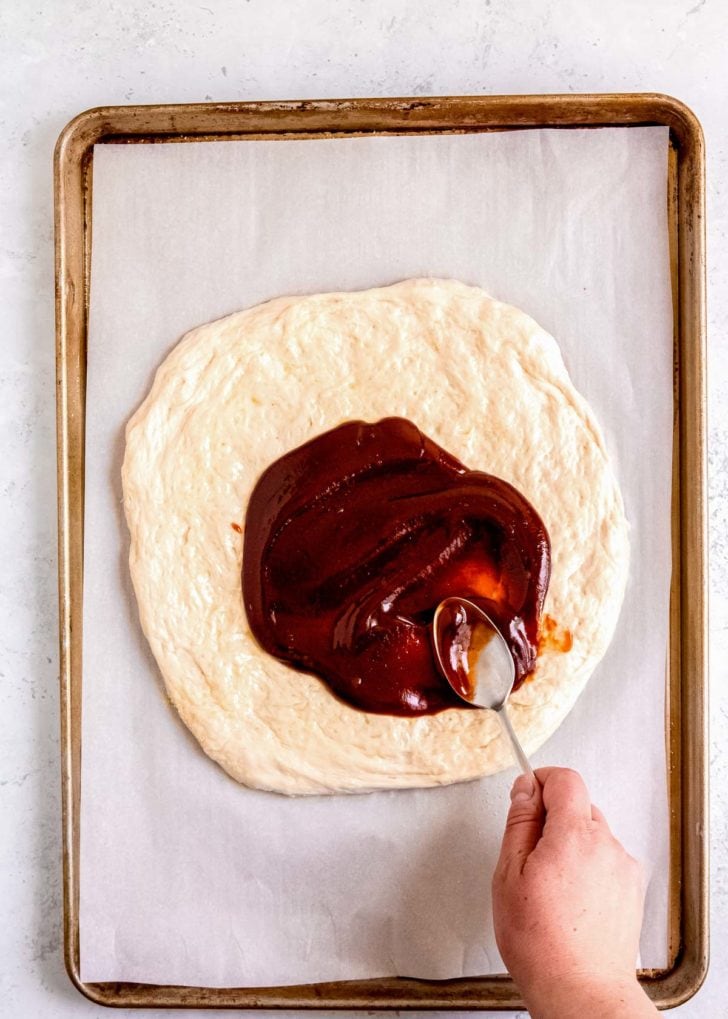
<point>189,878</point>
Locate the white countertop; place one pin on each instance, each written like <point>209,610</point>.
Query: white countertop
<point>58,58</point>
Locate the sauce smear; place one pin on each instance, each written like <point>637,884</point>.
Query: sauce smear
<point>353,539</point>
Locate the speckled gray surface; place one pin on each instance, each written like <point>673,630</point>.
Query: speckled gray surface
<point>59,58</point>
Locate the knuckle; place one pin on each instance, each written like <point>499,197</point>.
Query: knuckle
<point>616,848</point>
<point>636,866</point>
<point>518,816</point>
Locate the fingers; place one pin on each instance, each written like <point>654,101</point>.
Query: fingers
<point>598,817</point>
<point>524,824</point>
<point>559,800</point>
<point>565,796</point>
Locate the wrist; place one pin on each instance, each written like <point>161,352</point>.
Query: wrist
<point>608,998</point>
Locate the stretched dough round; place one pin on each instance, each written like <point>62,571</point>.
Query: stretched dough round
<point>486,383</point>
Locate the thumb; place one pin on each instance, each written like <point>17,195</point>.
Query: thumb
<point>524,824</point>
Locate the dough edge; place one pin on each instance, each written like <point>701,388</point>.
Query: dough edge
<point>189,466</point>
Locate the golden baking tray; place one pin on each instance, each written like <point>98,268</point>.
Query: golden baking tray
<point>686,719</point>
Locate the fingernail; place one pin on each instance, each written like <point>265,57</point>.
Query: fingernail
<point>523,789</point>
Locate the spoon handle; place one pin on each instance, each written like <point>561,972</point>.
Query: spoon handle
<point>517,748</point>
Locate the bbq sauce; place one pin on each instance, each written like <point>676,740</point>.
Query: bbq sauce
<point>352,540</point>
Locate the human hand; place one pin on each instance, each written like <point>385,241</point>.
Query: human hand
<point>567,903</point>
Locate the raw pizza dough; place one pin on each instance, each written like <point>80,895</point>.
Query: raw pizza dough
<point>486,383</point>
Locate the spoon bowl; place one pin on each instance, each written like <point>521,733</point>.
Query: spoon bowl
<point>472,654</point>
<point>476,661</point>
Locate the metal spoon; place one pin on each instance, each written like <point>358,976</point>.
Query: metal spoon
<point>476,661</point>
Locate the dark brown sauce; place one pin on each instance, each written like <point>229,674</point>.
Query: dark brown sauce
<point>353,539</point>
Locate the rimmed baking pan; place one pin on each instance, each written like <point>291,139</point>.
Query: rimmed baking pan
<point>686,716</point>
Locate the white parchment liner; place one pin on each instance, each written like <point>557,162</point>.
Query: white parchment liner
<point>189,878</point>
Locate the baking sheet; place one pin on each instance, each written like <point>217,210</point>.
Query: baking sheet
<point>187,878</point>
